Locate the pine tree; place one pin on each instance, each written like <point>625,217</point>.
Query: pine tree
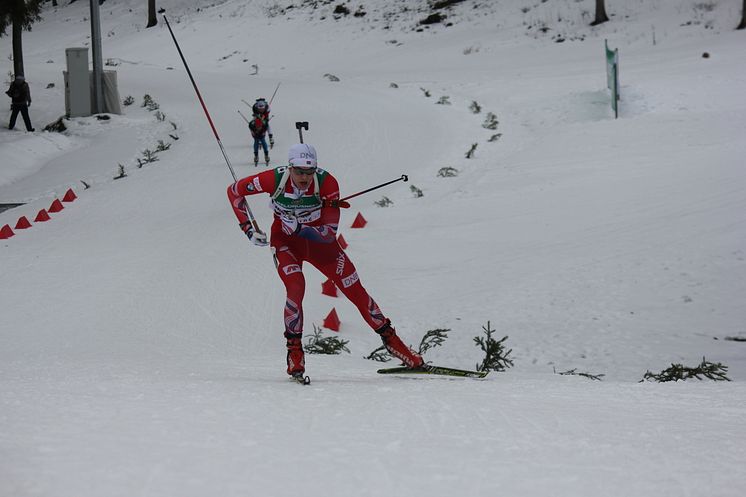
<point>743,16</point>
<point>20,14</point>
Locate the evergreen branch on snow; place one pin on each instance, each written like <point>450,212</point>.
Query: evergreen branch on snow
<point>490,122</point>
<point>713,371</point>
<point>433,338</point>
<point>447,172</point>
<point>574,372</point>
<point>325,345</point>
<point>384,202</point>
<point>379,355</point>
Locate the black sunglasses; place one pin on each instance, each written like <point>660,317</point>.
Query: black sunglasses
<point>304,170</point>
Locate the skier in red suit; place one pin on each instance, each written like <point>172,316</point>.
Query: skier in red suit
<point>305,230</point>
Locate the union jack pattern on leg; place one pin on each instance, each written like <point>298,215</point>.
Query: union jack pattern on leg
<point>293,318</point>
<point>376,316</point>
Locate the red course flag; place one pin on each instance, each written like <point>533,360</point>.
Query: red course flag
<point>331,321</point>
<point>41,216</point>
<point>329,288</point>
<point>359,221</point>
<point>22,223</point>
<point>6,232</point>
<point>69,195</point>
<point>342,242</point>
<point>56,206</point>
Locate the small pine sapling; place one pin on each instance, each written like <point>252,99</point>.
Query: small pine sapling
<point>149,103</point>
<point>470,153</point>
<point>393,85</point>
<point>331,77</point>
<point>713,371</point>
<point>128,100</point>
<point>426,92</point>
<point>162,146</point>
<point>444,100</point>
<point>474,107</point>
<point>495,137</point>
<point>160,116</point>
<point>121,174</point>
<point>416,191</point>
<point>496,358</point>
<point>325,345</point>
<point>149,156</point>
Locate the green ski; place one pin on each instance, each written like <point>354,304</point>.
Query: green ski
<point>437,370</point>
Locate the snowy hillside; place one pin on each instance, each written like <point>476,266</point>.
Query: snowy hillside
<point>141,348</point>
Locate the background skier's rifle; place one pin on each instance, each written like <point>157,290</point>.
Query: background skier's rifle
<point>214,131</point>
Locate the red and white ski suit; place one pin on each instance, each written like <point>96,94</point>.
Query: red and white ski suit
<point>315,242</point>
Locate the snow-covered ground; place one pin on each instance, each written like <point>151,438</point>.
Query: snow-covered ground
<point>141,348</point>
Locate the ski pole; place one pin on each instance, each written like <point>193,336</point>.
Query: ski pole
<point>343,202</point>
<point>273,95</point>
<point>244,117</point>
<point>300,126</point>
<point>402,178</point>
<point>270,100</point>
<point>209,119</point>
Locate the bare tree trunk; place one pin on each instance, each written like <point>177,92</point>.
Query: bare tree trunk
<point>17,48</point>
<point>152,19</point>
<point>601,16</point>
<point>743,16</point>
